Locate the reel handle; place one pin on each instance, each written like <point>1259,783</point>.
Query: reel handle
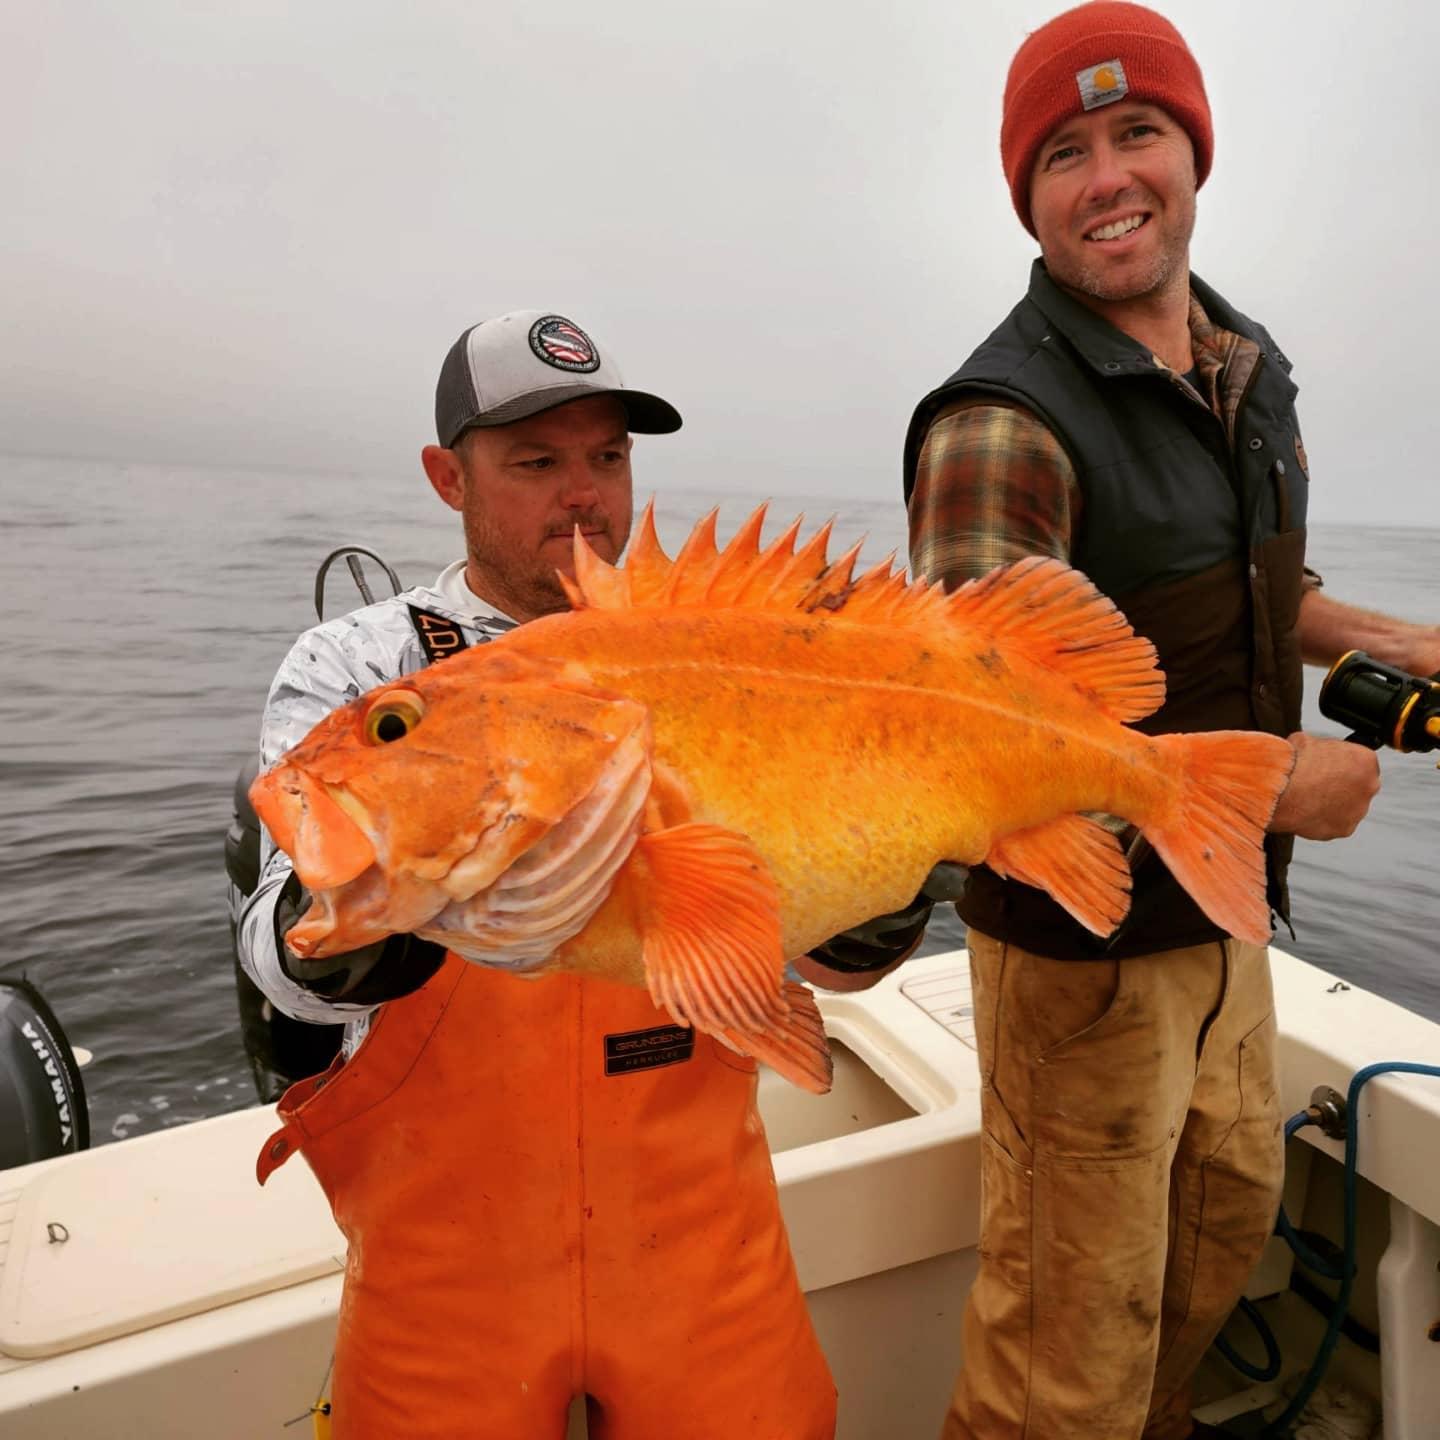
<point>1370,742</point>
<point>1382,705</point>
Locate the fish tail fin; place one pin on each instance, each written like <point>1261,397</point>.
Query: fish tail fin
<point>795,1047</point>
<point>1211,828</point>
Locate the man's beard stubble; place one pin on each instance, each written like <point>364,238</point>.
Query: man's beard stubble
<point>1170,266</point>
<point>527,585</point>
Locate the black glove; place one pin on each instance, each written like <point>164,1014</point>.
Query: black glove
<point>885,939</point>
<point>946,881</point>
<point>386,970</point>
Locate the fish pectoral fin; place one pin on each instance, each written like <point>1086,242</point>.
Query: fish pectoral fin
<point>796,1049</point>
<point>1077,862</point>
<point>709,916</point>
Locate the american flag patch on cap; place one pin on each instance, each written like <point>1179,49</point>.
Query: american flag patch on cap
<point>1101,84</point>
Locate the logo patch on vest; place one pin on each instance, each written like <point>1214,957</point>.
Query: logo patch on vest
<point>1101,84</point>
<point>563,344</point>
<point>1300,455</point>
<point>648,1049</point>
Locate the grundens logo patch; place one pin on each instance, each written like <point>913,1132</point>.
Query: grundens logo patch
<point>1101,84</point>
<point>648,1049</point>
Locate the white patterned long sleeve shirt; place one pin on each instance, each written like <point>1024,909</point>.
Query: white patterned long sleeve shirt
<point>328,666</point>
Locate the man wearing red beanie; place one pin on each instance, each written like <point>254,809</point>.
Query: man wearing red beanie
<point>1125,418</point>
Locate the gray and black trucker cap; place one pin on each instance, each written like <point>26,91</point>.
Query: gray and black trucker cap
<point>519,364</point>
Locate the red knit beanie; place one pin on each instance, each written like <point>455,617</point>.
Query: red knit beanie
<point>1085,58</point>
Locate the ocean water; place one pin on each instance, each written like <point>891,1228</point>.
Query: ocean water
<point>146,610</point>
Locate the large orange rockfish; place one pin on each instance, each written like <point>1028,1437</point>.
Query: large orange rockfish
<point>712,764</point>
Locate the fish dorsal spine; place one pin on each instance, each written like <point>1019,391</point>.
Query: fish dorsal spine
<point>1038,607</point>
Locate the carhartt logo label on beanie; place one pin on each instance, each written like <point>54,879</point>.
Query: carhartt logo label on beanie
<point>1100,84</point>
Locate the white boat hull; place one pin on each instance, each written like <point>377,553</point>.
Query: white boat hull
<point>178,1299</point>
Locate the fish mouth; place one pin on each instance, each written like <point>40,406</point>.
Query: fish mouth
<point>321,827</point>
<point>355,899</point>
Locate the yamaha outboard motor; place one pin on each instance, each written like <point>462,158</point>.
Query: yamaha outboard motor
<point>42,1097</point>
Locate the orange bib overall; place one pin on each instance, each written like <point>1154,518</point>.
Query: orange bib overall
<point>548,1188</point>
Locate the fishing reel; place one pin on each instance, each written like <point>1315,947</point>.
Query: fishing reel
<point>1382,705</point>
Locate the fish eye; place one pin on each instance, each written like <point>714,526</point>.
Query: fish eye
<point>393,718</point>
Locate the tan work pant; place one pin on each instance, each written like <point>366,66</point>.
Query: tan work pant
<point>1132,1165</point>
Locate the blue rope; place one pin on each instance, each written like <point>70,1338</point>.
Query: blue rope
<point>1278,1426</point>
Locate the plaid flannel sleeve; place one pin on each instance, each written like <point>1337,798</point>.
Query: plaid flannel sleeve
<point>992,486</point>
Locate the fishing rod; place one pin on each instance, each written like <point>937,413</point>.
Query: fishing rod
<point>1381,704</point>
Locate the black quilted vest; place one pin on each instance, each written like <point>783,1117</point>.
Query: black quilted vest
<point>1197,536</point>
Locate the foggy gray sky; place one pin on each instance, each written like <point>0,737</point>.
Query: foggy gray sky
<point>248,233</point>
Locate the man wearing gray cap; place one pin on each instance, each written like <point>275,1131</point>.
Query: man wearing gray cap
<point>534,426</point>
<point>549,1189</point>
